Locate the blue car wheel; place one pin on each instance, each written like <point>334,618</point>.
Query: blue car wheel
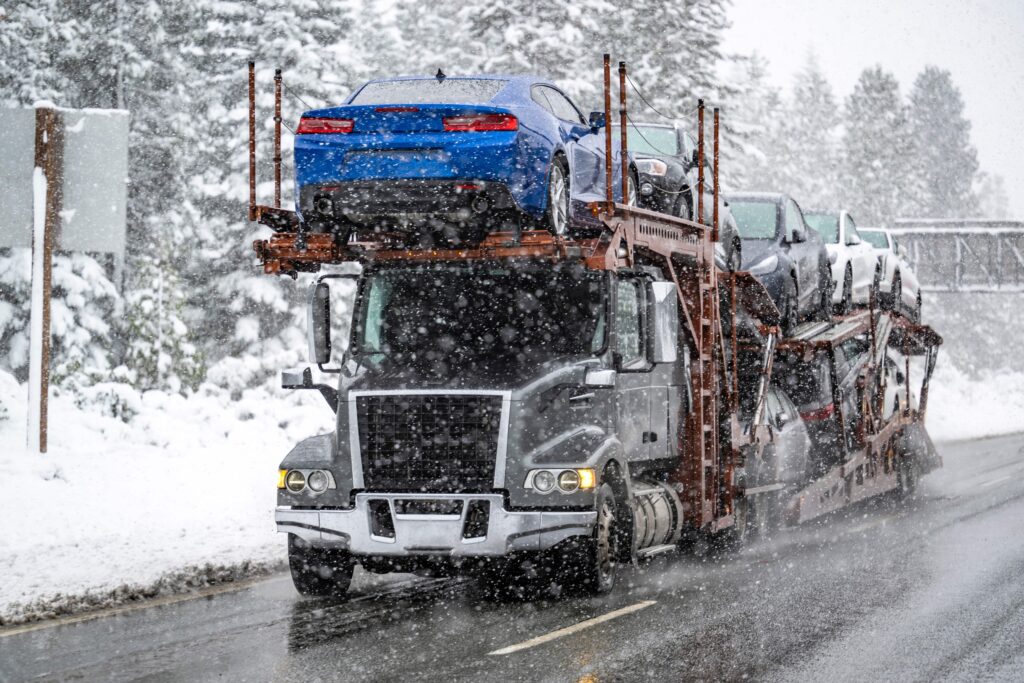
<point>558,199</point>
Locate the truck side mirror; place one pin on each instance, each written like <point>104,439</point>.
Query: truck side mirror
<point>664,322</point>
<point>303,379</point>
<point>319,323</point>
<point>597,120</point>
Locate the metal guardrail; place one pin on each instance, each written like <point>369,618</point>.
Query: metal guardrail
<point>964,255</point>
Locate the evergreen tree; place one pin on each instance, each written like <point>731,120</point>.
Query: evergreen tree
<point>236,310</point>
<point>877,145</point>
<point>945,164</point>
<point>810,142</point>
<point>751,155</point>
<point>557,39</point>
<point>993,202</point>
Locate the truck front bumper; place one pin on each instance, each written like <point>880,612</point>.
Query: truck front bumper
<point>364,529</point>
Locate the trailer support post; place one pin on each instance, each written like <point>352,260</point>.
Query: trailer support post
<point>700,161</point>
<point>277,138</point>
<point>622,129</point>
<point>252,141</point>
<point>609,194</point>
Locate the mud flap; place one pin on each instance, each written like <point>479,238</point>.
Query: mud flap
<point>916,443</point>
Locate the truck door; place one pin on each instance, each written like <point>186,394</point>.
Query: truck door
<point>633,380</point>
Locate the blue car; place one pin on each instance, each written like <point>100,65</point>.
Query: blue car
<point>453,151</point>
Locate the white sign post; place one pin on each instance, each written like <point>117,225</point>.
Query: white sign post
<point>67,191</point>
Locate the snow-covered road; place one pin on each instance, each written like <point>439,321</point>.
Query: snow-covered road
<point>922,592</point>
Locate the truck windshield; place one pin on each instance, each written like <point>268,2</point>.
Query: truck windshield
<point>488,318</point>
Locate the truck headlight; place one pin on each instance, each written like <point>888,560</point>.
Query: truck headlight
<point>317,481</point>
<point>543,481</point>
<point>568,481</point>
<point>295,481</point>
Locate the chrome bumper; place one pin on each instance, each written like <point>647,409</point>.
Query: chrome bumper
<point>438,535</point>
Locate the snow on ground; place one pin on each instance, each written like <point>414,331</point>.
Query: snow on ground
<point>961,407</point>
<point>187,486</point>
<point>183,494</point>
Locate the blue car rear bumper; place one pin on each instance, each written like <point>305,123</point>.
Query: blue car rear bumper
<point>362,171</point>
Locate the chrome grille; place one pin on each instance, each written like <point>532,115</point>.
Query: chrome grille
<point>428,442</point>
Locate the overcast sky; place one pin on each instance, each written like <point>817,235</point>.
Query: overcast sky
<point>981,42</point>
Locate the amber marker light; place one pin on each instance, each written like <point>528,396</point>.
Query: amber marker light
<point>588,479</point>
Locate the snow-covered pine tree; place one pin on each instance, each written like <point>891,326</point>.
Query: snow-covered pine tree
<point>556,39</point>
<point>810,146</point>
<point>751,156</point>
<point>28,34</point>
<point>945,163</point>
<point>240,316</point>
<point>673,50</point>
<point>877,149</point>
<point>993,201</point>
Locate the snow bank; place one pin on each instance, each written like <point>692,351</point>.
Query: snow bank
<point>184,490</point>
<point>961,407</point>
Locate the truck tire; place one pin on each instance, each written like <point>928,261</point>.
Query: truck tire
<point>906,477</point>
<point>590,563</point>
<point>320,572</point>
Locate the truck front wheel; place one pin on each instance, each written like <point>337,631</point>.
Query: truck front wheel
<point>320,572</point>
<point>591,562</point>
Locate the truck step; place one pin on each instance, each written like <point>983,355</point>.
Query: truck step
<point>645,553</point>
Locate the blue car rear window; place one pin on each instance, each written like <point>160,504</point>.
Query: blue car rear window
<point>430,91</point>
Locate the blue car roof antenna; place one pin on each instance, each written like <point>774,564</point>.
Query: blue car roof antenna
<point>440,75</point>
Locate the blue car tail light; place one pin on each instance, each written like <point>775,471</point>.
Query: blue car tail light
<point>480,122</point>
<point>320,126</point>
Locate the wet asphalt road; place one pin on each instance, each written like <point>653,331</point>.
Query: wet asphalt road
<point>933,590</point>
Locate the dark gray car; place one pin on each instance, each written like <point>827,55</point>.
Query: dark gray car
<point>785,254</point>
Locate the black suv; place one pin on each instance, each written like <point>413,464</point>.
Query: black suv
<point>666,162</point>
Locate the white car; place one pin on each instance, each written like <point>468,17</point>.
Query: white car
<point>898,288</point>
<point>897,397</point>
<point>854,261</point>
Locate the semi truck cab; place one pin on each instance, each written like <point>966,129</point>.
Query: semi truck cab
<point>489,411</point>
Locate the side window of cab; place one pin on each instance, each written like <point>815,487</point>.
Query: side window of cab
<point>629,324</point>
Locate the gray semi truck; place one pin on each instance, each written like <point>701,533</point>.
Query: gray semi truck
<point>491,412</point>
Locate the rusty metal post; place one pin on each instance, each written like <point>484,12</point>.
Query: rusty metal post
<point>622,130</point>
<point>277,138</point>
<point>48,190</point>
<point>252,141</point>
<point>906,356</point>
<point>714,180</point>
<point>700,161</point>
<point>609,187</point>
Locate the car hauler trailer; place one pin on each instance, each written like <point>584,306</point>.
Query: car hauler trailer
<point>878,448</point>
<point>571,402</point>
